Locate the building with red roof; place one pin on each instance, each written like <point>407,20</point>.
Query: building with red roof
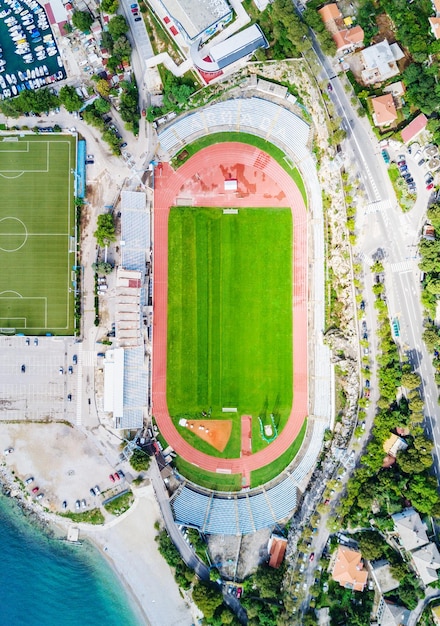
<point>414,128</point>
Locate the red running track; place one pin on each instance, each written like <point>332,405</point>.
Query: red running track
<point>261,183</point>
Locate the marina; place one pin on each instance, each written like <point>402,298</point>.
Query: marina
<point>29,56</point>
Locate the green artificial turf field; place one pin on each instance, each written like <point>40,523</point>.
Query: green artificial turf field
<point>229,317</point>
<point>37,224</point>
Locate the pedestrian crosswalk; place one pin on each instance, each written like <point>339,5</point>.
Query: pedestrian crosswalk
<point>402,266</point>
<point>88,358</point>
<point>381,205</point>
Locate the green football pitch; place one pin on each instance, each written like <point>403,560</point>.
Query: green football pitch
<point>230,317</point>
<point>37,231</point>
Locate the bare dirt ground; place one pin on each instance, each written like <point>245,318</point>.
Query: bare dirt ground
<point>62,460</point>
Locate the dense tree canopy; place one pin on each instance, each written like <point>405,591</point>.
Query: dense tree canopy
<point>70,99</point>
<point>82,20</point>
<point>105,233</point>
<point>117,26</point>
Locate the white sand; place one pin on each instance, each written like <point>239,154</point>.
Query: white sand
<point>129,545</point>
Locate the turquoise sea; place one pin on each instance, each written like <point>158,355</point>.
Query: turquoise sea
<point>46,582</point>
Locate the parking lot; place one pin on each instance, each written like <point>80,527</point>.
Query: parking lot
<point>35,380</point>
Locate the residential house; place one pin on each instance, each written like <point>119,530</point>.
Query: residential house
<point>380,62</point>
<point>332,17</point>
<point>411,529</point>
<point>382,576</point>
<point>394,443</point>
<point>277,549</point>
<point>384,114</point>
<point>396,89</point>
<point>348,569</point>
<point>436,6</point>
<point>435,611</point>
<point>391,614</point>
<point>427,561</point>
<point>414,128</point>
<point>434,22</point>
<point>346,39</point>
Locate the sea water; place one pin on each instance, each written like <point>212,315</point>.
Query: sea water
<point>47,582</point>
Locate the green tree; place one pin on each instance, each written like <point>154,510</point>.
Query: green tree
<point>139,460</point>
<point>109,6</point>
<point>103,87</point>
<point>410,380</point>
<point>82,20</point>
<point>70,99</point>
<point>371,545</point>
<point>102,267</point>
<point>122,48</point>
<point>105,233</point>
<point>107,41</point>
<point>117,26</point>
<point>102,106</point>
<point>207,598</point>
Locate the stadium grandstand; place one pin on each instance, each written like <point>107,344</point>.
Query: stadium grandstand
<point>244,513</point>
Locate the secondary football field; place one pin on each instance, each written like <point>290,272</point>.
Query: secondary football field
<point>37,233</point>
<point>230,318</point>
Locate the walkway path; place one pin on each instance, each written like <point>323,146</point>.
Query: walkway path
<point>168,187</point>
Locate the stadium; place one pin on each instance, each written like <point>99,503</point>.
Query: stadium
<point>237,358</point>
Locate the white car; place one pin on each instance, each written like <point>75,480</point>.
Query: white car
<point>8,451</point>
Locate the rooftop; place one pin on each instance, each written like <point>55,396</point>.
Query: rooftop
<point>330,12</point>
<point>435,26</point>
<point>348,569</point>
<point>195,16</point>
<point>411,529</point>
<point>414,128</point>
<point>427,562</point>
<point>277,549</point>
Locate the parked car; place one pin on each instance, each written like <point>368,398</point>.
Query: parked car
<point>8,451</point>
<point>35,489</point>
<point>77,505</point>
<point>386,156</point>
<point>61,370</point>
<point>69,397</point>
<point>116,476</point>
<point>27,341</point>
<point>312,556</point>
<point>83,503</point>
<point>75,359</point>
<point>23,368</point>
<point>40,496</point>
<point>138,19</point>
<point>112,478</point>
<point>97,490</point>
<point>64,505</point>
<point>367,384</point>
<point>121,474</point>
<point>35,341</point>
<point>421,162</point>
<point>29,480</point>
<point>429,187</point>
<point>92,492</point>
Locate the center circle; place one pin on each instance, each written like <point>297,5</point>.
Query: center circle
<point>13,234</point>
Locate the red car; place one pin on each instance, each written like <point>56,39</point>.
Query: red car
<point>35,489</point>
<point>116,476</point>
<point>312,556</point>
<point>112,478</point>
<point>429,187</point>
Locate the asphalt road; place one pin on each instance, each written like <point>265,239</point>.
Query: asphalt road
<point>383,226</point>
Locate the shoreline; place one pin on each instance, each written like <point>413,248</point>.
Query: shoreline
<point>133,600</point>
<point>126,546</point>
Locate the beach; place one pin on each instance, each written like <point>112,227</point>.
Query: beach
<point>128,544</point>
